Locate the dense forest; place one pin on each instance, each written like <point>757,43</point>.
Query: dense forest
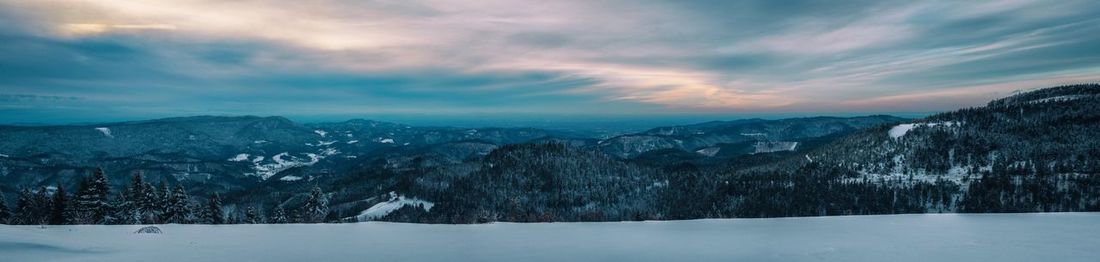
<point>141,202</point>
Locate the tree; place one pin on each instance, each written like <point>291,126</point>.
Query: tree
<point>148,204</point>
<point>315,208</point>
<point>24,208</point>
<point>278,216</point>
<point>91,206</point>
<point>42,205</point>
<point>214,213</point>
<point>59,207</point>
<point>178,209</point>
<point>165,194</point>
<point>124,210</point>
<point>251,217</point>
<point>5,212</point>
<point>144,202</point>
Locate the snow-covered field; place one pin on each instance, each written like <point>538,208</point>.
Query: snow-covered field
<point>950,237</point>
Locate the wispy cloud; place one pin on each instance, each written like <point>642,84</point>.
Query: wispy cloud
<point>541,56</point>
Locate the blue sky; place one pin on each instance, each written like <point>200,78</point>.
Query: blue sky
<point>80,61</point>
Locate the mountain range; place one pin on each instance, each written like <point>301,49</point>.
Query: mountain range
<point>993,158</point>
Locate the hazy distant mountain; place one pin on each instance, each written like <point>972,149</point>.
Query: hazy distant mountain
<point>230,153</point>
<point>740,136</point>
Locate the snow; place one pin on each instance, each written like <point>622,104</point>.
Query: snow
<point>1057,99</point>
<point>353,142</point>
<point>265,171</point>
<point>385,208</point>
<point>773,146</point>
<point>899,131</point>
<point>322,133</point>
<point>290,178</point>
<point>106,131</point>
<point>710,151</point>
<point>386,141</point>
<point>239,158</point>
<point>931,237</point>
<point>329,152</point>
<point>3,155</point>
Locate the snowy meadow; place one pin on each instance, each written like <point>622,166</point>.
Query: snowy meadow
<point>927,237</point>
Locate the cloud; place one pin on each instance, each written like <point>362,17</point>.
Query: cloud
<point>615,57</point>
<point>78,30</point>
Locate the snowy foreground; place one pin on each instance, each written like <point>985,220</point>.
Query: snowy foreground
<point>949,237</point>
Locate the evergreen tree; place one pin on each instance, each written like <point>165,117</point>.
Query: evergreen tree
<point>24,208</point>
<point>163,202</point>
<point>315,208</point>
<point>130,201</point>
<point>42,205</point>
<point>148,204</point>
<point>124,210</point>
<point>91,206</point>
<point>5,212</point>
<point>214,213</point>
<point>59,208</point>
<point>251,217</point>
<point>279,216</point>
<point>178,209</point>
<point>144,203</point>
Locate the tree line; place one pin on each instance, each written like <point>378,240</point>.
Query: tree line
<point>143,203</point>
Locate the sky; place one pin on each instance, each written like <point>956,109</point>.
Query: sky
<point>80,60</point>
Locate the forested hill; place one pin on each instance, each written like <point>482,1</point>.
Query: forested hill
<point>1036,151</point>
<point>1031,152</point>
<point>1049,131</point>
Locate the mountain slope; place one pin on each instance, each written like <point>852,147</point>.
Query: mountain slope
<point>739,136</point>
<point>1050,130</point>
<point>1034,152</point>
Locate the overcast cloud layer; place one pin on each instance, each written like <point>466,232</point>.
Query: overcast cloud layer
<point>88,60</point>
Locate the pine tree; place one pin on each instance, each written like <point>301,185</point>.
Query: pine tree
<point>144,201</point>
<point>214,213</point>
<point>59,209</point>
<point>124,210</point>
<point>42,205</point>
<point>315,208</point>
<point>163,202</point>
<point>178,209</point>
<point>149,204</point>
<point>5,212</point>
<point>251,217</point>
<point>91,206</point>
<point>24,208</point>
<point>278,216</point>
